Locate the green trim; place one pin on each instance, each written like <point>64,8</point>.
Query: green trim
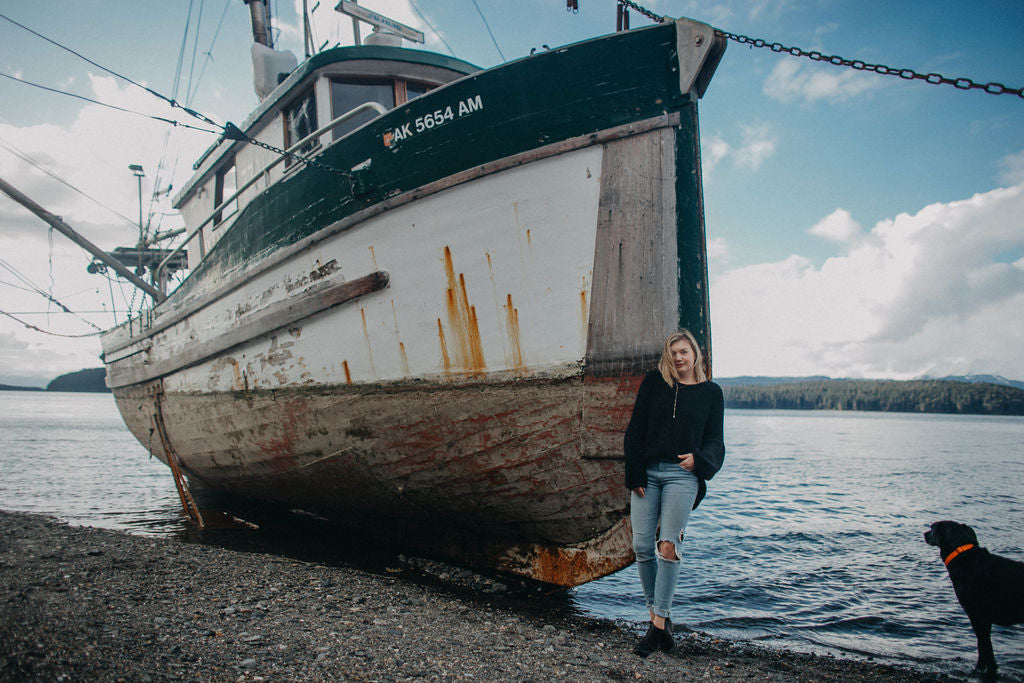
<point>340,55</point>
<point>691,241</point>
<point>526,104</point>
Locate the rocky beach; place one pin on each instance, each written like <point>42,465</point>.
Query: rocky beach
<point>86,604</point>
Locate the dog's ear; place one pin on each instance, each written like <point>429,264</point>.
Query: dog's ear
<point>967,533</point>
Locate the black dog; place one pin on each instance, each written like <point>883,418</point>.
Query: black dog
<point>990,588</point>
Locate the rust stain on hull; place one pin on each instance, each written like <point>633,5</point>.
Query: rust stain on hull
<point>366,338</point>
<point>462,321</point>
<point>446,361</point>
<point>512,329</point>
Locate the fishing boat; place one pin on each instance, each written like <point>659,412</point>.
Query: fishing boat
<point>421,296</point>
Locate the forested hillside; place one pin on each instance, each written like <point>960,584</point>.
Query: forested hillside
<point>915,396</point>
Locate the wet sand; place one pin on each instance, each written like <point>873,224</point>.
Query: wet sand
<point>84,604</point>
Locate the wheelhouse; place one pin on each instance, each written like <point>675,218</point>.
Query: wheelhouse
<point>316,106</point>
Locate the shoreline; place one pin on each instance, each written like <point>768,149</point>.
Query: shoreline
<point>82,603</point>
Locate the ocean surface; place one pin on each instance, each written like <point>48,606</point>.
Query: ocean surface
<point>811,537</point>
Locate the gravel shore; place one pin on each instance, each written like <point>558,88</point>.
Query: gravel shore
<point>84,604</point>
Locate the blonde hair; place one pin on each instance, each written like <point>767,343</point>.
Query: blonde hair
<point>668,368</point>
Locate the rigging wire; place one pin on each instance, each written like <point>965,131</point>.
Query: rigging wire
<point>228,130</point>
<point>14,271</point>
<point>54,334</point>
<point>434,30</point>
<point>209,55</point>
<point>112,106</point>
<point>29,160</point>
<point>171,101</point>
<point>195,51</point>
<point>109,106</point>
<point>489,31</point>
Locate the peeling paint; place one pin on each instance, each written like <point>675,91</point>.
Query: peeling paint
<point>277,355</point>
<point>281,448</point>
<point>319,272</point>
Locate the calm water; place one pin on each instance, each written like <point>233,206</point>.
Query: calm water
<point>810,538</point>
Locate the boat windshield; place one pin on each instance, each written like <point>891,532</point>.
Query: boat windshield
<point>346,95</point>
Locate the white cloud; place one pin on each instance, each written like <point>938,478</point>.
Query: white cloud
<point>712,151</point>
<point>759,143</point>
<point>923,293</point>
<point>718,249</point>
<point>793,80</point>
<point>91,155</point>
<point>1012,168</point>
<point>838,226</point>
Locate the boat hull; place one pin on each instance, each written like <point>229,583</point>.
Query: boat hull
<point>450,366</point>
<point>491,474</point>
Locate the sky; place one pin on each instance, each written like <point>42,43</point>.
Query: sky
<point>858,225</point>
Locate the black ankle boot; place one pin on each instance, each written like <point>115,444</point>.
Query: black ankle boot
<point>655,639</point>
<point>667,641</point>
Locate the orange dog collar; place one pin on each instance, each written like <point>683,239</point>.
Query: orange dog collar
<point>949,558</point>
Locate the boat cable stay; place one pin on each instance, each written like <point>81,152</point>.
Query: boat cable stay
<point>815,55</point>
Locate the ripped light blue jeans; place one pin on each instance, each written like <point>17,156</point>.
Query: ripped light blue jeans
<point>661,515</point>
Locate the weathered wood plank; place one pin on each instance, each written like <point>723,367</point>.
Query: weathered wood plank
<point>634,299</point>
<point>314,300</point>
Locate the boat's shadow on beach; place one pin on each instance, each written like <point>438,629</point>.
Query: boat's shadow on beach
<point>246,525</point>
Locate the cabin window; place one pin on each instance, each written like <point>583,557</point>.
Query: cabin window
<point>347,95</point>
<point>414,90</point>
<point>300,121</point>
<point>226,185</point>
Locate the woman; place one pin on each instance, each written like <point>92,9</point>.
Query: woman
<point>673,445</point>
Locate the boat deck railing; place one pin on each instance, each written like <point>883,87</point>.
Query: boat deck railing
<point>263,173</point>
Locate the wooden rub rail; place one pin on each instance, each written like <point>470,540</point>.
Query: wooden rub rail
<point>274,317</point>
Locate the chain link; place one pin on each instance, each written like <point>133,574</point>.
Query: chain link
<point>232,132</point>
<point>882,69</point>
<point>643,10</point>
<point>856,64</point>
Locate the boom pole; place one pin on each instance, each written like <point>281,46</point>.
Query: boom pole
<point>70,233</point>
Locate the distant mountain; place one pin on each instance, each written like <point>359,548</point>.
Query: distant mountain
<point>749,381</point>
<point>758,381</point>
<point>92,379</point>
<point>982,379</point>
<point>11,387</point>
<point>911,396</point>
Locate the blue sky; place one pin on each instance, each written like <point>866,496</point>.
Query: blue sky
<point>859,225</point>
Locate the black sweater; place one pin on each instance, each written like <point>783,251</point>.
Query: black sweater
<point>654,434</point>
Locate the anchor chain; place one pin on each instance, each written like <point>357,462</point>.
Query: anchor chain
<point>643,10</point>
<point>882,69</point>
<point>855,64</point>
<point>232,132</point>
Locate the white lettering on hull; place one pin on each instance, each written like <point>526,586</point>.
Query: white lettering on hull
<point>435,119</point>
